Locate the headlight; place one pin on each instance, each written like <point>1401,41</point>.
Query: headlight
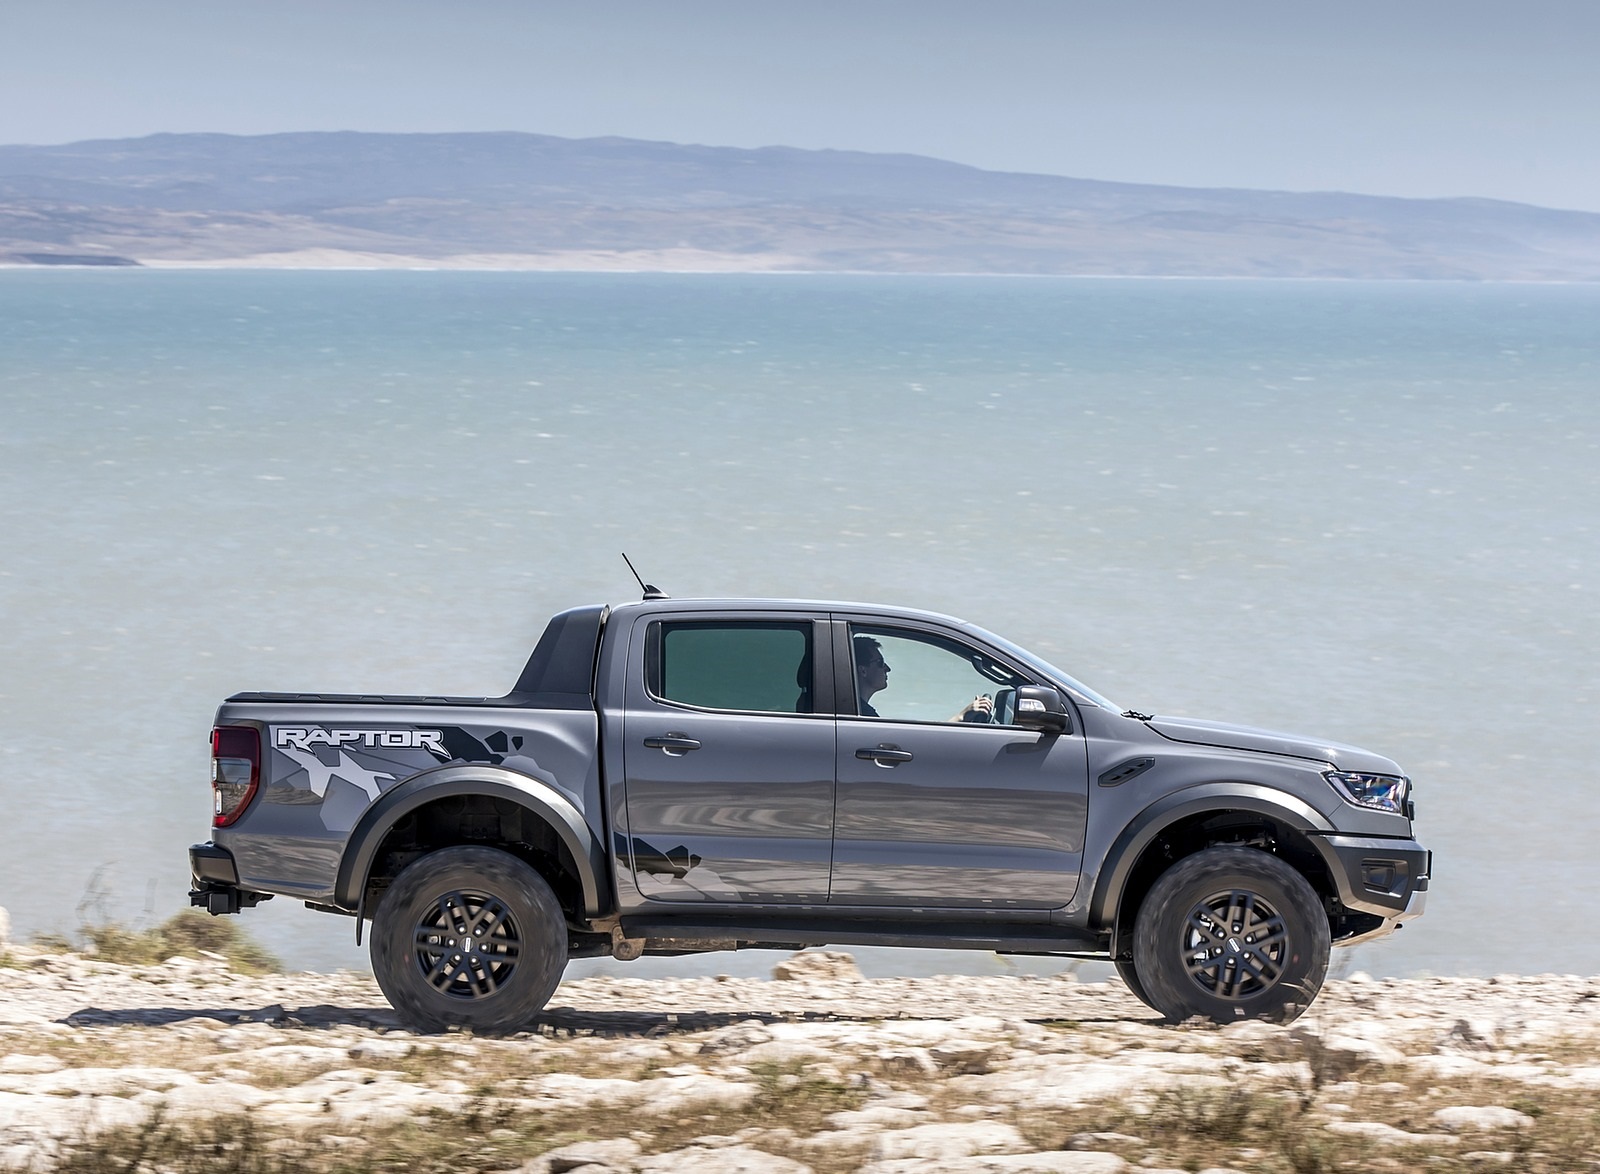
<point>1383,792</point>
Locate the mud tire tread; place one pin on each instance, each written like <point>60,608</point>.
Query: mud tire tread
<point>537,914</point>
<point>1160,925</point>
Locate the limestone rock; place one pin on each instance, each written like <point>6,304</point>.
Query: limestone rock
<point>817,966</point>
<point>965,1055</point>
<point>848,1139</point>
<point>103,1082</point>
<point>944,1141</point>
<point>736,1038</point>
<point>786,1052</point>
<point>597,1156</point>
<point>1251,1038</point>
<point>1383,1134</point>
<point>23,1064</point>
<point>68,1117</point>
<point>583,1092</point>
<point>734,1160</point>
<point>881,1116</point>
<point>1052,1162</point>
<point>1462,1118</point>
<point>383,1048</point>
<point>700,1093</point>
<point>290,1056</point>
<point>198,1101</point>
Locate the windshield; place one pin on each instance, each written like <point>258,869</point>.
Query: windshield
<point>1045,668</point>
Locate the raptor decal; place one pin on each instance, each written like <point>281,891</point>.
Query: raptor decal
<point>310,737</point>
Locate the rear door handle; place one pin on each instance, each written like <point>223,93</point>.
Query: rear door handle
<point>674,744</point>
<point>884,755</point>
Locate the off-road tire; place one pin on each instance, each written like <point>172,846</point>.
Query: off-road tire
<point>1231,933</point>
<point>469,937</point>
<point>1130,979</point>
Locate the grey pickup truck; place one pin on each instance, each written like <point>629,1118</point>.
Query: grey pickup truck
<point>675,776</point>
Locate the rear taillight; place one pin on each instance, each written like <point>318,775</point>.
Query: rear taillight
<point>235,771</point>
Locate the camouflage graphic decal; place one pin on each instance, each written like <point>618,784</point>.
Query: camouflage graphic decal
<point>343,769</point>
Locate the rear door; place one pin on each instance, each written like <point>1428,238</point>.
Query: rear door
<point>728,766</point>
<point>943,803</point>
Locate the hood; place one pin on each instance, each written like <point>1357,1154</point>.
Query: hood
<point>1204,733</point>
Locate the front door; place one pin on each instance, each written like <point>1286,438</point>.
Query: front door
<point>942,803</point>
<point>729,769</point>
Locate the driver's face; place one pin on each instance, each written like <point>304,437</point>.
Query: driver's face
<point>873,673</point>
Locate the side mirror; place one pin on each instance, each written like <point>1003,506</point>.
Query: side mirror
<point>1042,708</point>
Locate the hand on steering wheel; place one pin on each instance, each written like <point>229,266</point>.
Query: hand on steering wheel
<point>979,709</point>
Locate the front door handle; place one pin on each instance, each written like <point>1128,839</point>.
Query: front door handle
<point>884,755</point>
<point>676,745</point>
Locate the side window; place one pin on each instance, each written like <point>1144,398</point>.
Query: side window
<point>913,676</point>
<point>765,667</point>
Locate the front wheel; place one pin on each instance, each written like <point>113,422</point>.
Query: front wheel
<point>1130,979</point>
<point>469,937</point>
<point>1231,933</point>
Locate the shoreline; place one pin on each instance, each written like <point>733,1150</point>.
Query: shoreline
<point>817,1069</point>
<point>621,266</point>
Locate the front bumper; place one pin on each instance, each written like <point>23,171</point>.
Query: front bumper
<point>1378,875</point>
<point>214,881</point>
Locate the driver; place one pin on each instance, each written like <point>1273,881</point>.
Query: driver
<point>872,673</point>
<point>872,677</point>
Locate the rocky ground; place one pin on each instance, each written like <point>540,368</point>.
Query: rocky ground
<point>187,1065</point>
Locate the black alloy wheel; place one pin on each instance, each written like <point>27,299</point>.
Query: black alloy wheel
<point>469,937</point>
<point>1231,933</point>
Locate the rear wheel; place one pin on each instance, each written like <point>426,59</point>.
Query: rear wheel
<point>1231,933</point>
<point>469,937</point>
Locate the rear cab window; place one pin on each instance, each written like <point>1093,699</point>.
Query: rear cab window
<point>742,666</point>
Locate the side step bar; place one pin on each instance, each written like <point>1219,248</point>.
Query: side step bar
<point>680,934</point>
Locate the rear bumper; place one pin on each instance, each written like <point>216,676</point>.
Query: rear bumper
<point>214,881</point>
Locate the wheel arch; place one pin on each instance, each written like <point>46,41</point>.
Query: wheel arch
<point>581,852</point>
<point>1191,820</point>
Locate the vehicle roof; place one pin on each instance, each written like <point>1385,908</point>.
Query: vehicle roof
<point>873,610</point>
<point>739,603</point>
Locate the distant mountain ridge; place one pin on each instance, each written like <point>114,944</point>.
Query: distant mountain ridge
<point>536,201</point>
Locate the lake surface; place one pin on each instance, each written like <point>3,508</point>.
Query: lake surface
<point>1363,511</point>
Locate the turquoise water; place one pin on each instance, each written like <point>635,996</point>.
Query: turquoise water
<point>1365,511</point>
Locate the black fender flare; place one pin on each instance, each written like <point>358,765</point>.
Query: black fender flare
<point>1136,836</point>
<point>539,797</point>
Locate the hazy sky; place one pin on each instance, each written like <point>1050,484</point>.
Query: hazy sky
<point>1395,97</point>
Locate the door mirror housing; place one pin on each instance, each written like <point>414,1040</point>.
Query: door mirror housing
<point>1039,707</point>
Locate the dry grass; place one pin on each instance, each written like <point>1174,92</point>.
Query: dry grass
<point>188,933</point>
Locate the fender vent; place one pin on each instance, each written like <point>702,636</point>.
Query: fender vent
<point>1118,775</point>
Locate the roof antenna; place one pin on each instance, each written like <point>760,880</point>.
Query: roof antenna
<point>651,591</point>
